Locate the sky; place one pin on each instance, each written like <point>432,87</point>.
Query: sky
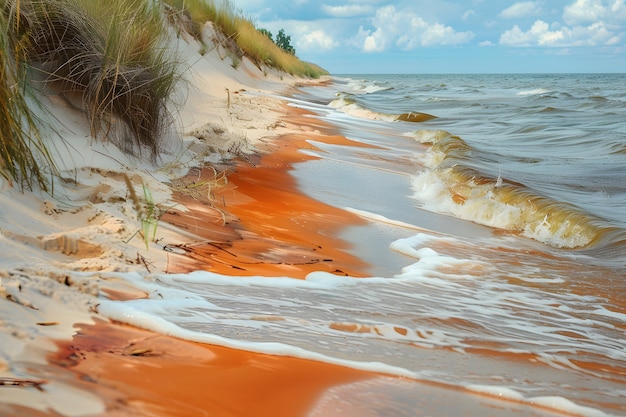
<point>450,36</point>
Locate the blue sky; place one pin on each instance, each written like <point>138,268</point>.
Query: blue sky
<point>450,36</point>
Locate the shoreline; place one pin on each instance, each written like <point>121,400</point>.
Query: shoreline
<point>263,224</point>
<point>63,254</point>
<point>138,372</point>
<point>131,370</point>
<point>300,237</point>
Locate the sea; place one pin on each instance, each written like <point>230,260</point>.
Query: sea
<point>495,231</point>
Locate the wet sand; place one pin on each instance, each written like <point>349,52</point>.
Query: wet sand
<point>138,372</point>
<point>259,223</point>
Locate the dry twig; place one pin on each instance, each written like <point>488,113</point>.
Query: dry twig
<point>22,383</point>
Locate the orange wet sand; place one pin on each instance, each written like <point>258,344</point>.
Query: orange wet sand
<point>271,228</point>
<point>137,372</point>
<point>258,224</point>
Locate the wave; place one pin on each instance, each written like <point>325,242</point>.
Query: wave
<point>362,86</point>
<point>329,318</point>
<point>350,106</point>
<point>533,92</point>
<point>448,186</point>
<point>366,87</point>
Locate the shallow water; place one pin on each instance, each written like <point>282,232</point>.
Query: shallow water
<point>495,237</point>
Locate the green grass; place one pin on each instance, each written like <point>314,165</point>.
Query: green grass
<point>254,44</point>
<point>22,150</point>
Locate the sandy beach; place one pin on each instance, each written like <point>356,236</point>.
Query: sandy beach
<point>242,285</point>
<point>263,225</point>
<point>60,357</point>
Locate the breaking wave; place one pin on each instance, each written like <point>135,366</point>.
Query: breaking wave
<point>349,105</point>
<point>448,186</point>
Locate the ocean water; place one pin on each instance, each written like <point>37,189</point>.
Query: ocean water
<point>496,235</point>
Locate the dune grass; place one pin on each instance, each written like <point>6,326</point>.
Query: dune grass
<point>22,151</point>
<point>252,43</point>
<point>112,54</point>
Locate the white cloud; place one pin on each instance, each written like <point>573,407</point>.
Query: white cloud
<point>583,11</point>
<point>408,31</point>
<point>317,40</point>
<point>541,34</point>
<point>350,10</point>
<point>372,45</point>
<point>589,11</point>
<point>468,14</point>
<point>521,9</point>
<point>439,34</point>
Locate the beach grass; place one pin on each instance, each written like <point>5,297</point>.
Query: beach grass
<point>249,40</point>
<point>113,56</point>
<point>24,159</point>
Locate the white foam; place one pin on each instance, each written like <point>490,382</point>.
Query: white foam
<point>563,237</point>
<point>428,136</point>
<point>533,92</point>
<point>609,313</point>
<point>365,87</point>
<point>382,219</point>
<point>433,193</point>
<point>353,109</point>
<point>553,402</point>
<point>485,207</point>
<point>314,280</point>
<point>126,313</point>
<point>376,323</point>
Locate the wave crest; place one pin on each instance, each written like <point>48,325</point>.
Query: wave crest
<point>349,105</point>
<point>448,186</point>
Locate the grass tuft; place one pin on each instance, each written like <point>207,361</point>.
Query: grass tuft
<point>112,54</point>
<point>23,155</point>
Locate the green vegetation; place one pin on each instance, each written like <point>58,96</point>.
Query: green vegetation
<point>151,216</point>
<point>283,41</point>
<point>110,53</point>
<point>148,212</point>
<point>111,57</point>
<point>21,147</point>
<point>256,44</point>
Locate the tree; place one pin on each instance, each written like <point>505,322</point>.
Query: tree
<point>284,42</point>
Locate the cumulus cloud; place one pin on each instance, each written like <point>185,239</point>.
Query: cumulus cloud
<point>316,40</point>
<point>521,9</point>
<point>587,11</point>
<point>406,30</point>
<point>541,34</point>
<point>584,11</point>
<point>350,10</point>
